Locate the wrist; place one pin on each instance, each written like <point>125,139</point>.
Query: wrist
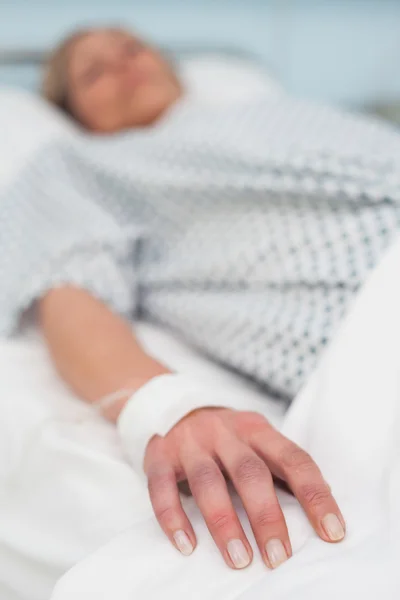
<point>111,405</point>
<point>160,405</point>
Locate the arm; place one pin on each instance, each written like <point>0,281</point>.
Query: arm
<point>96,353</point>
<point>94,350</point>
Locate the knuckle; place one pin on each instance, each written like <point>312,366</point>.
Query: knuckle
<point>255,418</point>
<point>154,449</point>
<point>204,475</point>
<point>159,483</point>
<point>165,514</point>
<point>315,495</point>
<point>294,458</point>
<point>219,521</point>
<point>250,469</point>
<point>268,516</point>
<point>154,443</point>
<point>251,423</point>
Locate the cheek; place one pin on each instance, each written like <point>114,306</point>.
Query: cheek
<point>154,65</point>
<point>99,107</point>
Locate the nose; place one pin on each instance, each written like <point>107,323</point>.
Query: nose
<point>118,62</point>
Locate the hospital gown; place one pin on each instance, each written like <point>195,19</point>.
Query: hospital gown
<point>247,229</point>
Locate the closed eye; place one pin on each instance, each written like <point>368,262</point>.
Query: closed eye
<point>92,73</point>
<point>133,47</point>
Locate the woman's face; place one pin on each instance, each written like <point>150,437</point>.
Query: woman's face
<point>115,82</point>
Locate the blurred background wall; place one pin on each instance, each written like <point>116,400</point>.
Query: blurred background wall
<point>342,51</point>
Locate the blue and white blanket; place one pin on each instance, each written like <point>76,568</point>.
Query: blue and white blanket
<point>246,229</point>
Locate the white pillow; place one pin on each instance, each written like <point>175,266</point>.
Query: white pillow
<point>27,122</point>
<point>219,79</point>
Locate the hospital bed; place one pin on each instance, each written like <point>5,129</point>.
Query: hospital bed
<point>56,454</point>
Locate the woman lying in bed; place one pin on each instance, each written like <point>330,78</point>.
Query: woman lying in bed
<point>254,227</point>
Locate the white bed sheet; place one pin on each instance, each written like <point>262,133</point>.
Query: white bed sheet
<point>56,456</point>
<point>348,418</point>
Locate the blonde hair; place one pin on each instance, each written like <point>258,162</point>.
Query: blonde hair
<point>55,80</point>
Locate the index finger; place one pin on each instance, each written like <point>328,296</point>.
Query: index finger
<point>289,462</point>
<point>165,499</point>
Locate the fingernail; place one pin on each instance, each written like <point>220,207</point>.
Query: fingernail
<point>238,553</point>
<point>276,553</point>
<point>183,543</point>
<point>333,527</point>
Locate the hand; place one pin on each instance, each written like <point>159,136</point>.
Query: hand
<point>244,446</point>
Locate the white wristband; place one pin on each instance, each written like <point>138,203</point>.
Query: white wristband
<point>159,405</point>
